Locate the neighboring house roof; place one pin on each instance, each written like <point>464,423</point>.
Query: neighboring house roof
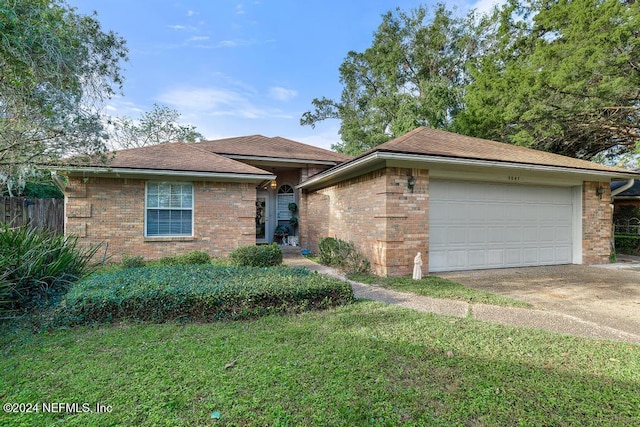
<point>633,191</point>
<point>424,145</point>
<point>262,147</point>
<point>172,158</point>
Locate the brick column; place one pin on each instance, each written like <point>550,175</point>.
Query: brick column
<point>597,220</point>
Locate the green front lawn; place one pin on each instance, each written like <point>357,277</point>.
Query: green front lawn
<point>360,364</point>
<point>437,287</point>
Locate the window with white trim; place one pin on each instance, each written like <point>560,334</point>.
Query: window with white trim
<point>169,209</point>
<point>285,196</point>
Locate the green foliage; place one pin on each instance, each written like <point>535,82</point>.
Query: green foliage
<point>34,190</point>
<point>37,266</point>
<point>257,256</point>
<point>343,255</point>
<point>412,75</point>
<point>191,257</point>
<point>437,287</point>
<point>627,243</point>
<point>197,293</point>
<point>133,261</point>
<point>58,67</point>
<point>281,229</point>
<point>561,77</point>
<point>363,364</point>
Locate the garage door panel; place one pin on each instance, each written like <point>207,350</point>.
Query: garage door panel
<point>480,225</point>
<point>476,258</point>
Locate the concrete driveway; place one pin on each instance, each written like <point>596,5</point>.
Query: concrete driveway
<point>606,296</point>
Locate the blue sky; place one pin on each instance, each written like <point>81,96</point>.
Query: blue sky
<point>234,67</point>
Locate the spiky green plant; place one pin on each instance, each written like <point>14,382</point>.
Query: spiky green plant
<point>36,265</point>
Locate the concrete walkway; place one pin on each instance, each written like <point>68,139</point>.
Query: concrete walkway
<point>548,320</point>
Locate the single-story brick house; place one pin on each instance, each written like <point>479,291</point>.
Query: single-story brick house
<point>465,203</point>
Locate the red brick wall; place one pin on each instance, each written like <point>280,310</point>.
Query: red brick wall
<point>597,218</point>
<point>111,210</point>
<point>385,220</point>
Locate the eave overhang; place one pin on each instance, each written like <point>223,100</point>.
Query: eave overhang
<point>379,159</point>
<point>163,174</point>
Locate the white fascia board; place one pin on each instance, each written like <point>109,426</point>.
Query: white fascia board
<point>170,173</point>
<point>427,160</point>
<point>279,159</point>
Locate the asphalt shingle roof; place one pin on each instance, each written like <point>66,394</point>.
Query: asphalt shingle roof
<point>435,142</point>
<point>175,156</point>
<point>276,147</point>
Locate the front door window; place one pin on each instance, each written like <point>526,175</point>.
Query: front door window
<point>261,218</point>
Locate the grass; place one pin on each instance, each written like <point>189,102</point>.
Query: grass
<point>437,287</point>
<point>362,364</point>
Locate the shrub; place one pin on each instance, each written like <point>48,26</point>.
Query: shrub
<point>343,255</point>
<point>192,257</point>
<point>132,261</point>
<point>627,243</point>
<point>257,256</point>
<point>197,293</point>
<point>37,265</point>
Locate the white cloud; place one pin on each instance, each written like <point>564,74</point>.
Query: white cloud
<point>240,9</point>
<point>190,12</point>
<point>179,27</point>
<point>199,38</point>
<point>213,101</point>
<point>282,94</point>
<point>485,6</point>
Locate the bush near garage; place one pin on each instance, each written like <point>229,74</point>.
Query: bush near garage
<point>343,255</point>
<point>197,293</point>
<point>627,243</point>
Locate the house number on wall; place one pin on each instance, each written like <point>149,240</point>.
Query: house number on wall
<point>514,178</point>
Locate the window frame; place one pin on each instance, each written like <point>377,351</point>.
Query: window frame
<point>286,213</point>
<point>146,209</point>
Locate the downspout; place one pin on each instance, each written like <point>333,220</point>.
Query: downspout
<point>58,182</point>
<point>624,188</point>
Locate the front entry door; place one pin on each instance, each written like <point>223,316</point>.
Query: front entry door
<point>262,218</point>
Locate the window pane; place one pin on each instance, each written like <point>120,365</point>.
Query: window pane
<point>152,200</point>
<point>152,222</point>
<point>169,209</point>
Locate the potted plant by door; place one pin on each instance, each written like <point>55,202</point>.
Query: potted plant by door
<point>293,221</point>
<point>281,232</point>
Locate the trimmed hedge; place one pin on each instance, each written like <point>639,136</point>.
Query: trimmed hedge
<point>191,257</point>
<point>197,293</point>
<point>627,243</point>
<point>257,256</point>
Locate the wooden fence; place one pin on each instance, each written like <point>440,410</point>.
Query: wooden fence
<point>43,213</point>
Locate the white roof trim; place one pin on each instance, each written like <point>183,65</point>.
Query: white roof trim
<point>173,173</point>
<point>442,160</point>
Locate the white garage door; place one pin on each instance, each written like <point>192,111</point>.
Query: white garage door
<point>481,225</point>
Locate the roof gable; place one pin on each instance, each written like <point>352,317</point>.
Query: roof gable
<point>434,142</point>
<point>275,148</point>
<point>177,156</point>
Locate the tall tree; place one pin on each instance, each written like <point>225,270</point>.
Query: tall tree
<point>562,76</point>
<point>157,126</point>
<point>412,75</point>
<point>57,67</point>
